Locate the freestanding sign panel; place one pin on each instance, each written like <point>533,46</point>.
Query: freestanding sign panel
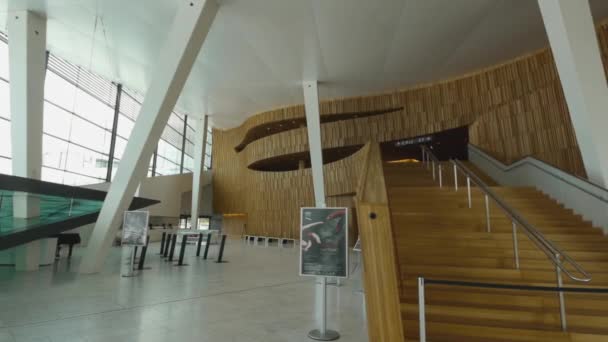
<point>135,228</point>
<point>324,237</point>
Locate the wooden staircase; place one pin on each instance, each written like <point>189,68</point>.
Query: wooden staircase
<point>438,237</point>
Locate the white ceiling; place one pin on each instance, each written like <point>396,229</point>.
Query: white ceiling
<point>259,51</point>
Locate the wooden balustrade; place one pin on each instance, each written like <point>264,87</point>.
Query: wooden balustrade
<point>381,275</point>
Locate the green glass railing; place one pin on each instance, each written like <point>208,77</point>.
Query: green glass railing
<point>52,209</point>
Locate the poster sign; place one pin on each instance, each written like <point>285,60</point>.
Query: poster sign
<point>324,242</point>
<point>135,228</point>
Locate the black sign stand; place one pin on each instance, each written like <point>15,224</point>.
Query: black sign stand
<point>200,241</point>
<point>207,246</point>
<point>221,252</point>
<point>172,251</point>
<point>162,243</point>
<point>182,251</point>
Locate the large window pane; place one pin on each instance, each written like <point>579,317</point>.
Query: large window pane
<point>176,122</point>
<point>5,138</point>
<point>165,167</point>
<point>86,162</point>
<point>88,135</point>
<point>77,180</point>
<point>92,109</point>
<point>55,153</point>
<point>52,175</point>
<point>57,121</point>
<point>125,126</point>
<point>169,152</point>
<point>188,163</point>
<point>6,167</point>
<point>4,60</point>
<point>59,91</point>
<point>5,99</point>
<point>119,148</point>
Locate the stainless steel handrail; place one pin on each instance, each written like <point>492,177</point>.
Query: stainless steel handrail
<point>423,282</point>
<point>553,252</point>
<point>430,158</point>
<point>549,248</point>
<point>558,257</point>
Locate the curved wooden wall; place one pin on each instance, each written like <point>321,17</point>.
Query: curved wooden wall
<point>513,109</point>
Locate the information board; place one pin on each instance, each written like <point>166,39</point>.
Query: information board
<point>135,228</point>
<point>324,242</point>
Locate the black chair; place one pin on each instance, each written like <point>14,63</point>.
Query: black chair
<point>69,239</point>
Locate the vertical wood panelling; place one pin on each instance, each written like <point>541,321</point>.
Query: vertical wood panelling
<point>513,110</point>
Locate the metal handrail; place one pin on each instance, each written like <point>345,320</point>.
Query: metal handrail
<point>554,253</point>
<point>558,257</point>
<point>430,158</point>
<point>549,248</point>
<point>423,282</point>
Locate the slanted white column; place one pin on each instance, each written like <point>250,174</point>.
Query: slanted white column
<point>200,144</point>
<point>313,123</point>
<point>573,39</point>
<point>27,67</point>
<point>183,43</point>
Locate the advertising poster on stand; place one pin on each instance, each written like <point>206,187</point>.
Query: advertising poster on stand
<point>324,242</point>
<point>135,228</point>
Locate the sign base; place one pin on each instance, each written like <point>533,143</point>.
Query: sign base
<point>329,335</point>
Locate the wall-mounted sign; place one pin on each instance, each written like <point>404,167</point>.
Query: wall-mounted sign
<point>135,228</point>
<point>324,242</point>
<point>414,141</point>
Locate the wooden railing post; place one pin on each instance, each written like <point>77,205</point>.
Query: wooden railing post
<point>381,278</point>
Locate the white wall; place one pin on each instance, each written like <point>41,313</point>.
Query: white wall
<point>168,190</point>
<point>585,198</point>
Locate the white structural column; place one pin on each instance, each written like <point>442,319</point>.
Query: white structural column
<point>176,58</point>
<point>200,144</point>
<point>573,39</point>
<point>27,67</point>
<point>313,123</point>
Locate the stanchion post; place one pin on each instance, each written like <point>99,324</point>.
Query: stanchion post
<point>200,242</point>
<point>560,295</point>
<point>421,310</point>
<point>207,246</point>
<point>162,243</point>
<point>488,214</point>
<point>142,257</point>
<point>167,244</point>
<point>182,251</point>
<point>172,251</point>
<point>455,178</point>
<point>469,190</point>
<point>221,252</point>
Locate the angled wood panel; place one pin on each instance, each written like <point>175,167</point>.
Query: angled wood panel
<point>513,110</point>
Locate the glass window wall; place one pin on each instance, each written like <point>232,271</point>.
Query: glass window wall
<point>78,118</point>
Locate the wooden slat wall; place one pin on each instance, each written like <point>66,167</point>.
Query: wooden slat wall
<point>514,109</point>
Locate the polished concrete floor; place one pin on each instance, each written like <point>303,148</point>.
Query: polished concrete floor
<point>256,296</point>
